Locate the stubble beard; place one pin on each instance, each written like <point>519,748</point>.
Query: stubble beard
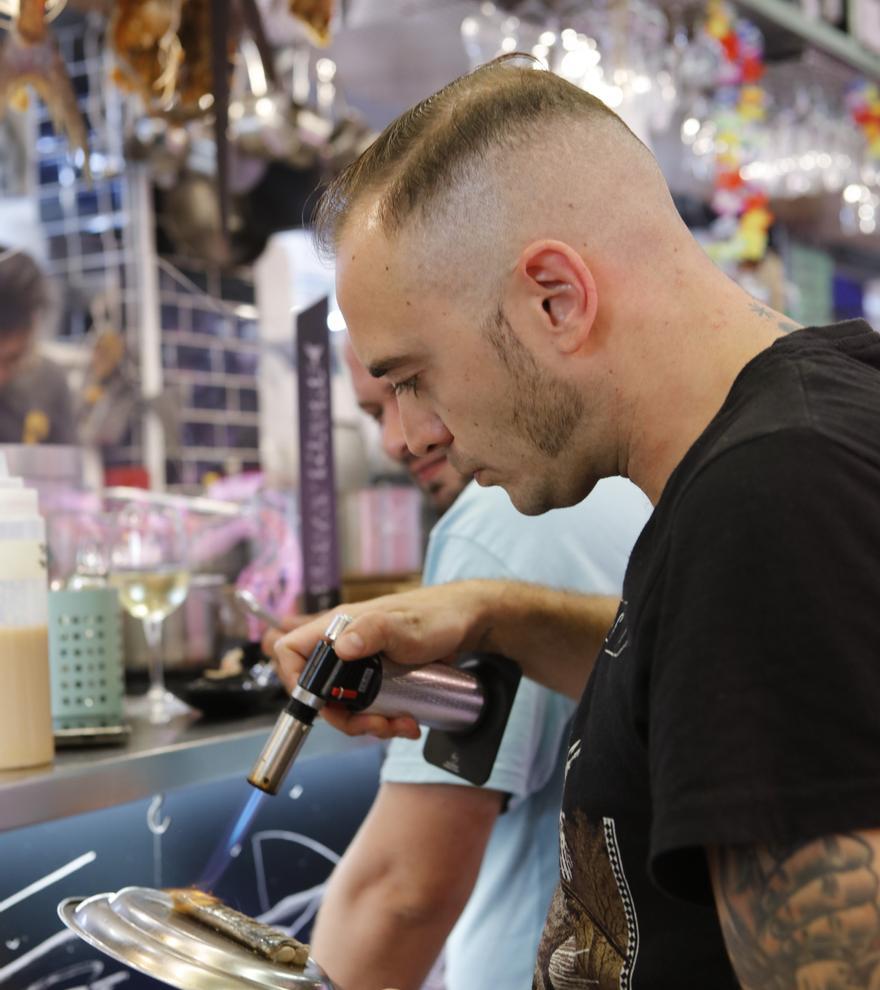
<point>546,411</point>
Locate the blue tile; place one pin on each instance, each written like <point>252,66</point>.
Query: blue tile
<point>238,363</point>
<point>209,397</point>
<point>193,358</point>
<point>51,209</point>
<point>170,316</point>
<point>200,434</point>
<point>248,329</point>
<point>48,172</point>
<point>205,321</point>
<point>87,202</point>
<point>243,436</point>
<point>57,247</point>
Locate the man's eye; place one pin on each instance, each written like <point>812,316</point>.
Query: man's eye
<point>410,385</point>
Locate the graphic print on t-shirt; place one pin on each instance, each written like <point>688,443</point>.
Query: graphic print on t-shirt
<point>590,939</point>
<point>617,640</point>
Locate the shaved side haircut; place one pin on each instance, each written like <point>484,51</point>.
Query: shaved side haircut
<point>444,142</point>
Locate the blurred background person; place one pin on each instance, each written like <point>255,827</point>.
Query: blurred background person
<point>36,405</point>
<point>432,473</point>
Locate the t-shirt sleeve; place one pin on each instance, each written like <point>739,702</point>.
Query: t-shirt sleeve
<point>765,675</point>
<point>461,558</point>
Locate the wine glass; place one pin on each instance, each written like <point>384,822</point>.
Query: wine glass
<point>148,566</point>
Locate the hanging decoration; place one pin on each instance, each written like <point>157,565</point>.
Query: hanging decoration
<point>863,103</point>
<point>744,217</point>
<point>29,57</point>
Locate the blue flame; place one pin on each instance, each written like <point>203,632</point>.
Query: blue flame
<point>223,853</point>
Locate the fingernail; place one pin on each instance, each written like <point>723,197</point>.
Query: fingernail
<point>350,642</point>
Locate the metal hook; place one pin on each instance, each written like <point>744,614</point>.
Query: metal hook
<point>156,825</point>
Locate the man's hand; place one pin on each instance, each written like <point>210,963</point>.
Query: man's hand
<point>414,627</point>
<point>272,635</point>
<point>553,635</point>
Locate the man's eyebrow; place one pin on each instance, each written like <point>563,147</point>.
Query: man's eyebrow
<point>378,369</point>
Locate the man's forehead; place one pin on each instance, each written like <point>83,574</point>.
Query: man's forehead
<point>381,351</point>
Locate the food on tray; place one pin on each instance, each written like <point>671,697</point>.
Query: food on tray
<point>262,939</point>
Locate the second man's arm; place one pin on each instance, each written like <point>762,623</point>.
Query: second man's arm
<point>396,899</point>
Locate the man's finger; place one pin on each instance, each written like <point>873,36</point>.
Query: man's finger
<point>288,624</point>
<point>358,724</point>
<point>404,636</point>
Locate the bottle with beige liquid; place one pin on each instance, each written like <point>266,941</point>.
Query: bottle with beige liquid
<point>26,738</point>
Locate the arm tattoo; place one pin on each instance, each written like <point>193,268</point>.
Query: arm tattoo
<point>801,917</point>
<point>786,326</point>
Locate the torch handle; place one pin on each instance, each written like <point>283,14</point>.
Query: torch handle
<point>435,695</point>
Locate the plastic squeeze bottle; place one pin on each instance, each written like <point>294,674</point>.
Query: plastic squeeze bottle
<point>26,738</point>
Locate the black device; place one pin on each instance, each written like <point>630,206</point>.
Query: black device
<point>466,707</point>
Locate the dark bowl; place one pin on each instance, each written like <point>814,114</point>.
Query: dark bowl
<point>231,697</point>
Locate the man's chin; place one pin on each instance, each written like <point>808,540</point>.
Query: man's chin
<point>443,495</point>
<point>530,502</point>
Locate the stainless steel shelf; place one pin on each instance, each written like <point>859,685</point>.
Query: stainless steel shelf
<point>187,751</point>
<point>816,33</point>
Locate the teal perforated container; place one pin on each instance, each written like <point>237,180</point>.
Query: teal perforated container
<point>85,658</point>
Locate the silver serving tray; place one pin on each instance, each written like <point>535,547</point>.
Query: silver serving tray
<point>139,927</point>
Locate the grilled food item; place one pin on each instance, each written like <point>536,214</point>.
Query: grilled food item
<point>262,939</point>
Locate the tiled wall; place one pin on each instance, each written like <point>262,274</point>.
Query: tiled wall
<point>88,228</point>
<point>210,350</point>
<point>208,320</point>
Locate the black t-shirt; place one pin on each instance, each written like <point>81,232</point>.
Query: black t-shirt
<point>737,697</point>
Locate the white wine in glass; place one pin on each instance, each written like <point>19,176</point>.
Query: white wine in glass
<point>151,594</point>
<point>148,566</point>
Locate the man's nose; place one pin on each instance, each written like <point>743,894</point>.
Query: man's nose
<point>393,440</point>
<point>423,429</point>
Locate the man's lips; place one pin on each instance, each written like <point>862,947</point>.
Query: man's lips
<point>426,471</point>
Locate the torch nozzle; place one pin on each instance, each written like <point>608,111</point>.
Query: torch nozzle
<point>279,752</point>
<point>295,722</point>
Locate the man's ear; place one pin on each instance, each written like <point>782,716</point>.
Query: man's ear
<point>558,280</point>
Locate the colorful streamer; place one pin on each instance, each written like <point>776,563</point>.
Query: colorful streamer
<point>740,108</point>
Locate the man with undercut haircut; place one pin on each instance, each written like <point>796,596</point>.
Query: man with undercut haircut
<point>510,259</point>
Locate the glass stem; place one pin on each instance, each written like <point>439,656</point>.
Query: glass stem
<point>153,636</point>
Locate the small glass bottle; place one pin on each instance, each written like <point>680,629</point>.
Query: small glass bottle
<point>26,738</point>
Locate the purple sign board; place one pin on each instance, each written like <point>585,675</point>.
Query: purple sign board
<point>319,538</point>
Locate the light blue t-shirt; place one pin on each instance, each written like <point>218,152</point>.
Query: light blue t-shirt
<point>584,548</point>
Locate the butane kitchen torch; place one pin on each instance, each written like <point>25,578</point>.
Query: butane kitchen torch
<point>466,707</point>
